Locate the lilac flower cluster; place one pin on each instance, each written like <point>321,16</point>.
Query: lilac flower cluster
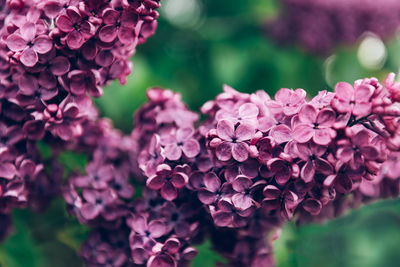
<point>98,197</point>
<point>256,161</point>
<point>53,56</point>
<point>320,25</point>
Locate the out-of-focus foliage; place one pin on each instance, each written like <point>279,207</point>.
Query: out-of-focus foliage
<point>200,45</point>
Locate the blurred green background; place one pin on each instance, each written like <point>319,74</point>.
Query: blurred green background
<point>200,45</point>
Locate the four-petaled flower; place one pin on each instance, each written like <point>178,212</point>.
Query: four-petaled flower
<point>168,181</point>
<point>315,125</point>
<point>29,44</point>
<point>234,140</point>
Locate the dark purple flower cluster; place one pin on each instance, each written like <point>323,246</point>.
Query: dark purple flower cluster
<point>320,25</point>
<point>99,196</point>
<point>256,161</point>
<point>53,56</point>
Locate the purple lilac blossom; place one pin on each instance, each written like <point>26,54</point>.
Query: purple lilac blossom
<point>58,53</point>
<point>320,25</point>
<point>51,61</point>
<point>309,161</point>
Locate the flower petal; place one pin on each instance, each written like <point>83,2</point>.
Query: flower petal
<point>225,130</point>
<point>326,117</point>
<point>168,191</point>
<point>224,151</point>
<point>42,44</point>
<point>172,151</point>
<point>191,148</point>
<point>302,133</point>
<point>308,114</point>
<point>108,33</point>
<point>344,91</point>
<point>29,57</point>
<point>244,132</point>
<point>322,136</point>
<point>16,43</point>
<point>75,40</point>
<point>308,171</point>
<point>240,151</point>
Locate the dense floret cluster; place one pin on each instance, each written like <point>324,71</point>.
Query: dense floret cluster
<point>54,55</point>
<point>235,177</point>
<point>254,163</point>
<point>320,25</point>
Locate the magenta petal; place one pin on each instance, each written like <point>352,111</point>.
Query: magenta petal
<point>313,206</point>
<point>361,138</point>
<point>248,110</point>
<point>281,133</point>
<point>89,211</point>
<point>240,184</point>
<point>191,148</point>
<point>172,151</point>
<point>205,196</point>
<point>42,44</point>
<point>344,91</point>
<point>345,153</point>
<point>163,260</point>
<point>168,191</point>
<point>343,183</point>
<point>369,152</point>
<point>242,201</point>
<point>28,84</point>
<point>308,114</point>
<point>155,182</point>
<point>47,80</point>
<point>326,117</point>
<point>283,95</point>
<point>7,170</point>
<point>28,31</point>
<point>65,132</point>
<point>308,171</point>
<point>271,192</point>
<point>59,66</point>
<point>172,245</point>
<point>29,57</point>
<point>363,93</point>
<point>362,108</point>
<point>110,16</point>
<point>104,58</point>
<point>302,133</point>
<point>212,182</point>
<point>323,166</point>
<point>179,180</point>
<point>184,134</point>
<point>244,132</point>
<point>222,219</point>
<point>156,228</point>
<point>108,33</point>
<point>125,35</point>
<point>224,151</point>
<point>240,151</point>
<point>322,136</point>
<point>16,43</point>
<point>64,23</point>
<point>75,40</point>
<point>225,130</point>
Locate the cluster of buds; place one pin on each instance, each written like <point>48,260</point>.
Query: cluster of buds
<point>320,25</point>
<point>55,55</point>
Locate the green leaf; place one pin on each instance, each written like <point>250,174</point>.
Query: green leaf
<point>206,256</point>
<point>20,249</point>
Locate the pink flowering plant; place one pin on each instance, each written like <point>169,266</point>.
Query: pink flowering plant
<point>234,177</point>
